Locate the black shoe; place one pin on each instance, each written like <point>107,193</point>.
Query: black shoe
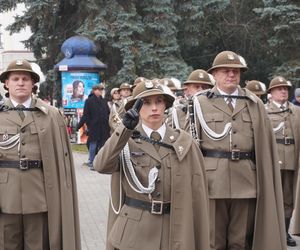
<point>92,168</point>
<point>290,241</point>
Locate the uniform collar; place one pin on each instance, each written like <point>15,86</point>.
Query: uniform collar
<point>26,104</point>
<point>278,105</point>
<point>161,130</point>
<point>233,100</point>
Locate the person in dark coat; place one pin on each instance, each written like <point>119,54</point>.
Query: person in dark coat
<point>296,100</point>
<point>95,116</point>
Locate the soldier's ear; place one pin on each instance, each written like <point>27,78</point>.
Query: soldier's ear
<point>6,84</point>
<point>34,89</point>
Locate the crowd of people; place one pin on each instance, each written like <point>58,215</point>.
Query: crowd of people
<point>210,165</point>
<point>249,162</point>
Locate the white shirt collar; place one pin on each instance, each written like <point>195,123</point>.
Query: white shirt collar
<point>233,101</point>
<point>26,103</point>
<point>278,105</point>
<point>161,130</point>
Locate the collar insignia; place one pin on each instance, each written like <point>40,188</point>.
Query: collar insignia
<point>180,150</point>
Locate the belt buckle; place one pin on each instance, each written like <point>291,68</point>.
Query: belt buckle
<point>156,207</point>
<point>23,164</point>
<point>287,141</point>
<point>235,155</point>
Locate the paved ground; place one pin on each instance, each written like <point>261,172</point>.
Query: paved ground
<point>93,192</point>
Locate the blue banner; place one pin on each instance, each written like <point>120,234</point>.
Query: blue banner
<point>76,87</point>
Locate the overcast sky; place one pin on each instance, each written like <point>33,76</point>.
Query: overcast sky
<point>12,42</point>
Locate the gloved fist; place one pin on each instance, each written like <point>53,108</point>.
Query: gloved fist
<point>131,117</point>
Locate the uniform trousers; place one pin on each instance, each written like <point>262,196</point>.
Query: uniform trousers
<point>287,180</point>
<point>232,223</point>
<point>24,231</point>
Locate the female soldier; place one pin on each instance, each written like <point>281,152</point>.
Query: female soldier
<point>163,201</point>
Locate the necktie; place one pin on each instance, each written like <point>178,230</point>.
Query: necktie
<point>155,136</point>
<point>21,113</point>
<point>229,103</point>
<point>282,107</point>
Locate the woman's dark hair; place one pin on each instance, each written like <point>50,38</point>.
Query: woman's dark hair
<point>75,87</point>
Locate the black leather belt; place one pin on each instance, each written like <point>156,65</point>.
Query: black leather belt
<point>21,164</point>
<point>154,207</point>
<point>286,141</point>
<point>234,155</point>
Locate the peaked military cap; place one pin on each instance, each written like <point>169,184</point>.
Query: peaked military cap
<point>19,66</point>
<point>228,59</point>
<point>200,76</point>
<point>148,88</point>
<point>256,87</point>
<point>125,85</point>
<point>169,83</point>
<point>279,81</point>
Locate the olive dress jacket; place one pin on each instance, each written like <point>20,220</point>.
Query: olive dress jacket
<point>293,118</point>
<point>58,175</point>
<point>269,231</point>
<point>182,182</point>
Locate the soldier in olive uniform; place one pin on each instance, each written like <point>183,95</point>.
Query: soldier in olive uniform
<point>256,87</point>
<point>182,116</point>
<point>164,203</point>
<point>238,145</point>
<point>285,118</point>
<point>38,198</point>
<point>197,81</point>
<point>125,90</point>
<point>117,110</point>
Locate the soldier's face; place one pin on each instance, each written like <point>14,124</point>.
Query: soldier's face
<point>116,95</point>
<point>152,111</point>
<point>193,88</point>
<point>19,85</point>
<point>280,94</point>
<point>125,93</point>
<point>227,79</point>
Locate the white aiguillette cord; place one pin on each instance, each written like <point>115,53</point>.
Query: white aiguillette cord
<point>209,132</point>
<point>126,162</point>
<point>279,127</point>
<point>10,143</point>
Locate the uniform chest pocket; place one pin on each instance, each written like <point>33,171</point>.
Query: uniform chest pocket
<point>215,121</point>
<point>33,129</point>
<point>214,117</point>
<point>3,177</point>
<point>7,132</point>
<point>247,126</point>
<point>276,120</point>
<point>246,117</point>
<point>139,159</point>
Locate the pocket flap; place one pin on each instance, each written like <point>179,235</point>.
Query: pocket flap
<point>131,213</point>
<point>215,117</point>
<point>33,129</point>
<point>3,177</point>
<point>246,117</point>
<point>140,161</point>
<point>9,130</point>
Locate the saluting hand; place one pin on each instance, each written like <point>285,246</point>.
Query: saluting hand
<point>131,117</point>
